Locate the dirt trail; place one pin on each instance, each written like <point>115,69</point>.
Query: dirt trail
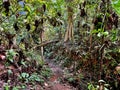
<point>57,74</point>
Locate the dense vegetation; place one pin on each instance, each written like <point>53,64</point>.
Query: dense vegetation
<point>47,43</point>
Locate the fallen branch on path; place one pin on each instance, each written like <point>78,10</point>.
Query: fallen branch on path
<point>45,43</point>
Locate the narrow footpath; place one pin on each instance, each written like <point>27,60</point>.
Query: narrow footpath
<point>54,81</point>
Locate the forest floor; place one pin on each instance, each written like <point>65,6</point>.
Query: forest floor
<point>26,75</point>
<point>63,68</point>
<point>54,81</point>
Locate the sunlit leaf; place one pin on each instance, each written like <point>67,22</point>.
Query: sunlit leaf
<point>116,5</point>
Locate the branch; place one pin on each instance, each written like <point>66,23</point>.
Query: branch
<point>45,43</point>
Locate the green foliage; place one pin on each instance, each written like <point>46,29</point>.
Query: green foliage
<point>116,5</point>
<point>36,77</point>
<point>24,77</point>
<point>96,87</point>
<point>10,72</point>
<point>35,56</point>
<point>46,72</point>
<point>91,87</point>
<point>67,61</point>
<point>16,88</point>
<point>11,54</point>
<point>71,79</point>
<point>100,32</point>
<point>31,78</point>
<point>24,63</point>
<point>6,87</point>
<point>113,35</point>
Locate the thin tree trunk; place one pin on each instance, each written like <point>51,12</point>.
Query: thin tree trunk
<point>69,31</point>
<point>42,48</point>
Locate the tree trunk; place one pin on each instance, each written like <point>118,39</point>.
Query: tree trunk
<point>69,31</point>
